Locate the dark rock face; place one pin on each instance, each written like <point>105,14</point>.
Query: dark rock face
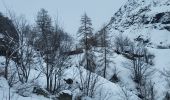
<point>68,81</point>
<point>114,79</point>
<point>65,96</point>
<point>167,28</point>
<point>157,17</point>
<point>163,18</point>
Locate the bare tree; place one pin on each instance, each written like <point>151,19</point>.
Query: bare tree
<point>60,59</point>
<point>121,43</point>
<point>141,66</point>
<point>142,62</point>
<point>53,43</point>
<point>105,52</point>
<point>24,58</point>
<point>88,82</point>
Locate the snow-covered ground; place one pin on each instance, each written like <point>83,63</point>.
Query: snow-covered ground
<point>128,21</point>
<point>104,89</point>
<point>12,95</point>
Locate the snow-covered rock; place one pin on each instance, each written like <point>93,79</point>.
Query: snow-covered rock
<point>65,95</point>
<point>147,18</point>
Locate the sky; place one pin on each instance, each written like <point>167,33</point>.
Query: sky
<point>68,12</point>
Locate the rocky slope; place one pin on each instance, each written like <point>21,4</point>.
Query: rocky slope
<point>149,19</point>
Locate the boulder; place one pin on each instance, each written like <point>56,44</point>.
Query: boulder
<point>40,91</point>
<point>65,95</point>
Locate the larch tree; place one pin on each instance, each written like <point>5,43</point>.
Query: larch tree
<point>88,82</point>
<point>105,51</point>
<point>85,33</point>
<point>45,28</point>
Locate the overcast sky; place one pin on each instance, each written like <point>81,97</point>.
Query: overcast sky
<point>69,12</point>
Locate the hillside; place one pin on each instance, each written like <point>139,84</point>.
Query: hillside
<point>146,20</point>
<point>132,63</point>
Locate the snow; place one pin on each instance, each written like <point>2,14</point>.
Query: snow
<point>155,32</point>
<point>156,36</point>
<point>125,75</point>
<point>1,35</point>
<point>156,10</point>
<point>104,89</point>
<point>108,90</point>
<point>3,83</point>
<point>66,91</point>
<point>162,62</point>
<point>4,93</point>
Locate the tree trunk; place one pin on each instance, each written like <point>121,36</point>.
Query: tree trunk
<point>6,65</point>
<point>105,55</point>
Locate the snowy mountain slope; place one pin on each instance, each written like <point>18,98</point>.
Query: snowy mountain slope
<point>115,90</point>
<point>105,90</point>
<point>156,36</point>
<point>4,93</point>
<point>149,15</point>
<point>147,20</point>
<point>162,62</point>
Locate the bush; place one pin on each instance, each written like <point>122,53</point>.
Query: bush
<point>122,43</point>
<point>141,62</point>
